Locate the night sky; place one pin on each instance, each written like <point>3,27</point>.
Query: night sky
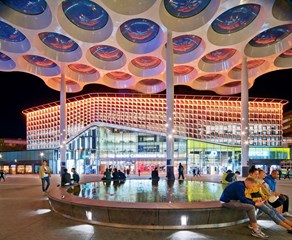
<point>21,91</point>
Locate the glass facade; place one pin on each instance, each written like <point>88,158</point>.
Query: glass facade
<point>27,162</point>
<point>105,146</point>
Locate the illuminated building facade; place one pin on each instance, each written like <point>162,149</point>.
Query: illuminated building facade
<point>130,129</point>
<point>287,131</point>
<point>287,124</point>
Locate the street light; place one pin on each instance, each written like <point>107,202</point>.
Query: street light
<point>42,155</point>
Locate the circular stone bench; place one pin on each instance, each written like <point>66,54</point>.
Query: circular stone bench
<point>179,215</point>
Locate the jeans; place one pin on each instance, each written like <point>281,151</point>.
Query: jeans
<point>45,179</point>
<point>272,213</point>
<point>249,208</point>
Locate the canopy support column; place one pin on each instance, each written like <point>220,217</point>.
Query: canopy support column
<point>244,118</point>
<point>169,108</point>
<point>63,119</point>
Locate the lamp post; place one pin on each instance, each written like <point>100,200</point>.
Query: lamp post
<point>42,156</point>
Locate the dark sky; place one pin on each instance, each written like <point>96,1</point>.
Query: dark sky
<point>21,91</point>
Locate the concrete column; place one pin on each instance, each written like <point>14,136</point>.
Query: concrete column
<point>244,118</point>
<point>97,149</point>
<point>169,108</point>
<point>63,119</point>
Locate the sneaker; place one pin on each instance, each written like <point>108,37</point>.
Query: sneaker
<point>259,234</point>
<point>286,214</point>
<point>250,227</point>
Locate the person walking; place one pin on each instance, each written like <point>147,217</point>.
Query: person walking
<point>280,173</point>
<point>287,173</point>
<point>45,174</point>
<point>181,171</point>
<point>198,172</point>
<point>194,172</point>
<point>2,175</point>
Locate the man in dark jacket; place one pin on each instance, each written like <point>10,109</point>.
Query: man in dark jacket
<point>65,178</point>
<point>75,176</point>
<point>154,174</point>
<point>234,197</point>
<point>181,171</point>
<point>122,176</point>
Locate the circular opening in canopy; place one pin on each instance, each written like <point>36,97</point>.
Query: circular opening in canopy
<point>146,62</point>
<point>236,18</point>
<point>9,33</point>
<point>58,42</point>
<point>39,61</point>
<point>82,68</point>
<point>6,63</point>
<point>4,57</point>
<point>29,7</point>
<point>85,14</point>
<point>185,8</point>
<point>271,36</point>
<point>219,55</point>
<point>185,43</point>
<point>139,30</point>
<point>106,53</point>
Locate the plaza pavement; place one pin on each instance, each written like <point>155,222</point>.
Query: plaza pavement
<point>25,214</point>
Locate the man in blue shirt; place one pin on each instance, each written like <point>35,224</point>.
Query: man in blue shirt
<point>234,197</point>
<point>271,180</point>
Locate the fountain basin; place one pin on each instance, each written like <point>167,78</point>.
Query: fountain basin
<point>169,212</point>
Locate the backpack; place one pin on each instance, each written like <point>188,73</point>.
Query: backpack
<point>229,177</point>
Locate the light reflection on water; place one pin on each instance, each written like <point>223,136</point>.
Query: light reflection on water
<point>147,191</point>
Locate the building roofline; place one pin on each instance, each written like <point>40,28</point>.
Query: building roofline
<point>138,95</point>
